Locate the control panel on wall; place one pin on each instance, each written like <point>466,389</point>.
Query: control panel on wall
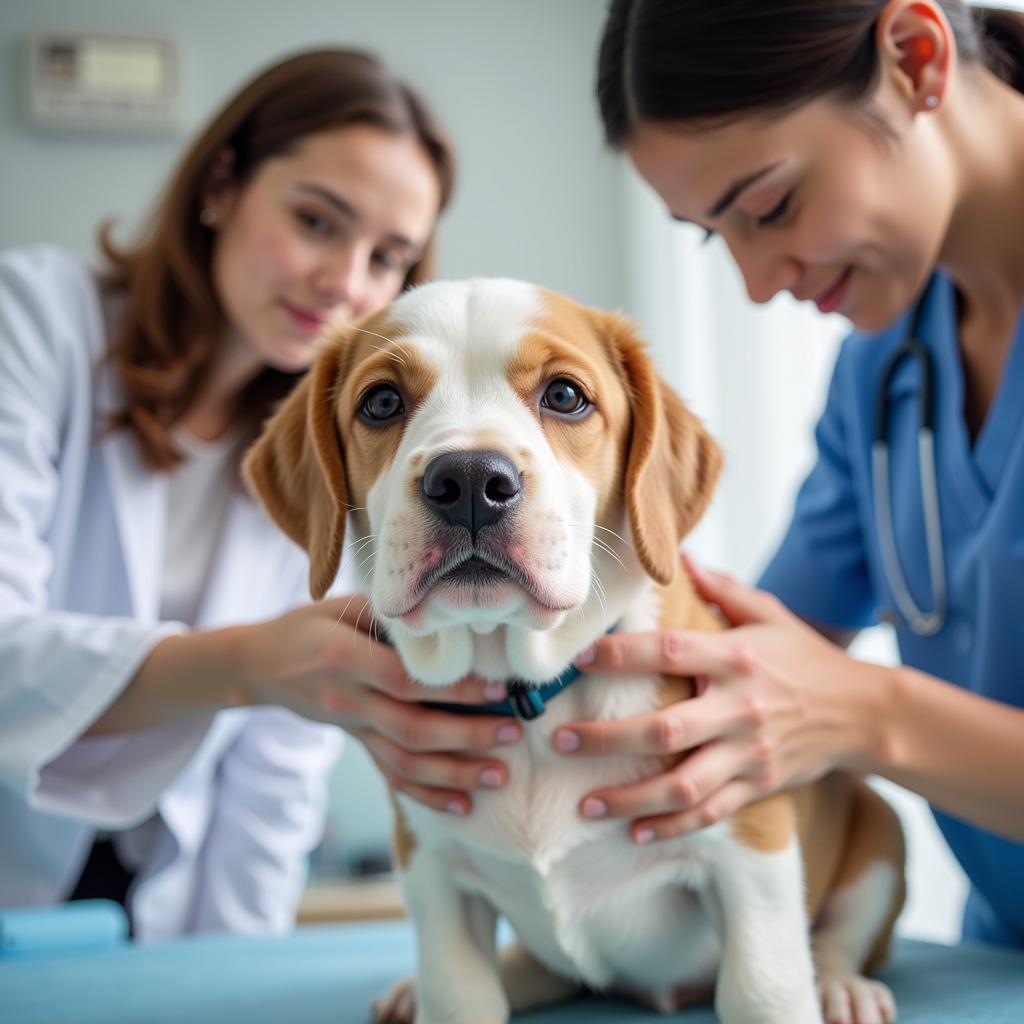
<point>93,81</point>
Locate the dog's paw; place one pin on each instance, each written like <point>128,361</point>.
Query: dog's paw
<point>397,1005</point>
<point>851,999</point>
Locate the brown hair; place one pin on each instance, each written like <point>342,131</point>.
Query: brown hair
<point>171,320</point>
<point>715,60</point>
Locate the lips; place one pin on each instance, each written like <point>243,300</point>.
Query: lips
<point>307,321</point>
<point>475,570</point>
<point>832,297</point>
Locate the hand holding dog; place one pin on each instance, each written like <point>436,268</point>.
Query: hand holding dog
<point>322,661</point>
<point>779,705</point>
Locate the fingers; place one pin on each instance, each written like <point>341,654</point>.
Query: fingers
<point>352,609</point>
<point>670,730</point>
<point>354,656</point>
<point>442,771</point>
<point>681,789</point>
<point>740,604</point>
<point>448,801</point>
<point>726,801</point>
<point>675,652</point>
<point>468,690</point>
<point>424,730</point>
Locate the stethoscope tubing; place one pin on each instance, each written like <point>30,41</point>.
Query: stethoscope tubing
<point>921,622</point>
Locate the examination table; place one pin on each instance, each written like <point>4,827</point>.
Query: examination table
<point>58,967</point>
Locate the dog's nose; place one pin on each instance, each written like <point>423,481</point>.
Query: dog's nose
<point>471,489</point>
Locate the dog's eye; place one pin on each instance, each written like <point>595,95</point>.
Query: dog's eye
<point>382,402</point>
<point>563,396</point>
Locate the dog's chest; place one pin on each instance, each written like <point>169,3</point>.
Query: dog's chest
<point>580,894</point>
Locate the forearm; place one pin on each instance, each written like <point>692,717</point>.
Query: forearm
<point>962,752</point>
<point>185,675</point>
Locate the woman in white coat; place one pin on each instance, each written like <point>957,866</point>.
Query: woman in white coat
<point>156,639</point>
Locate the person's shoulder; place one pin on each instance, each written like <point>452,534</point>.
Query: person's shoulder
<point>52,294</point>
<point>45,267</point>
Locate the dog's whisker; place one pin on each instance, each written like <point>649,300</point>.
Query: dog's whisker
<point>344,611</point>
<point>602,546</point>
<point>374,334</point>
<point>596,526</point>
<point>355,547</point>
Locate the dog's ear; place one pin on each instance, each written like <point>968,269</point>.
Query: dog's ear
<point>673,462</point>
<point>297,471</point>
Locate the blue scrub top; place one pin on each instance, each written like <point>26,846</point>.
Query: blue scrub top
<point>829,567</point>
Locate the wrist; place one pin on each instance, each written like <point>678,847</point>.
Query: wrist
<point>881,697</point>
<point>200,672</point>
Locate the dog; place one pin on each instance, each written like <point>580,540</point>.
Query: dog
<point>521,479</point>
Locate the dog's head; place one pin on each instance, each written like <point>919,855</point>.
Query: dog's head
<point>512,469</point>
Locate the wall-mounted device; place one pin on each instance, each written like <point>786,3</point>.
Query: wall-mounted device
<point>95,81</point>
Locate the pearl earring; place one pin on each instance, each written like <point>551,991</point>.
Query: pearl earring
<point>931,101</point>
<point>208,216</point>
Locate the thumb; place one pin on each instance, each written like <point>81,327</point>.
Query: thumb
<point>740,604</point>
<point>352,609</point>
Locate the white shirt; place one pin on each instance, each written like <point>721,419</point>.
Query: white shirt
<point>198,494</point>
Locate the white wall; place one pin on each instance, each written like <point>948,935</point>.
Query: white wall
<point>538,196</point>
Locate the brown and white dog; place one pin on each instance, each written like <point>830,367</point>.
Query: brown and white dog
<point>523,479</point>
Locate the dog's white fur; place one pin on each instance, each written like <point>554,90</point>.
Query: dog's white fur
<point>589,906</point>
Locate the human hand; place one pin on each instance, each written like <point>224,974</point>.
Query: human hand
<point>779,705</point>
<point>322,661</point>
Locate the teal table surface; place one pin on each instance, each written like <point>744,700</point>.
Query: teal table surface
<point>329,974</point>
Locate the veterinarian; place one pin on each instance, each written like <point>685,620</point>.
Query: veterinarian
<point>141,591</point>
<point>869,157</point>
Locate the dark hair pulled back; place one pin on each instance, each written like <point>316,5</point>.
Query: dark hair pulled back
<point>715,60</point>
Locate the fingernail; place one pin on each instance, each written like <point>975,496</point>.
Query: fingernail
<point>508,734</point>
<point>495,691</point>
<point>594,808</point>
<point>454,807</point>
<point>644,835</point>
<point>491,778</point>
<point>567,741</point>
<point>586,657</point>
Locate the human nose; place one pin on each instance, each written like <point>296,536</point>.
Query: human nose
<point>766,270</point>
<point>343,278</point>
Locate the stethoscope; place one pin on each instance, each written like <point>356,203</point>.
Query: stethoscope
<point>921,622</point>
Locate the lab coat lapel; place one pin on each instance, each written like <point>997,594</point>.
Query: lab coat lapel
<point>139,493</point>
<point>140,504</point>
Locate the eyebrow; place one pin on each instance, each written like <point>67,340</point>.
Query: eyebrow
<point>344,207</point>
<point>732,193</point>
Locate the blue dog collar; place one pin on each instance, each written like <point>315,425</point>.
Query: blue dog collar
<point>524,700</point>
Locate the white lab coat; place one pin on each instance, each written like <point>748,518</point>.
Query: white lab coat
<point>239,797</point>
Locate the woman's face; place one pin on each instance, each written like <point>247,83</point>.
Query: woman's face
<point>817,202</point>
<point>320,235</point>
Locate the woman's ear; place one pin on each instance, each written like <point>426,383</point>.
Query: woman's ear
<point>673,462</point>
<point>915,37</point>
<point>297,471</point>
<point>218,191</point>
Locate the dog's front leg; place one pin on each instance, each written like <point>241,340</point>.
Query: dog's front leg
<point>457,975</point>
<point>766,974</point>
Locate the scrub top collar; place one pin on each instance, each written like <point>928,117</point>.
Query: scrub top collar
<point>973,470</point>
